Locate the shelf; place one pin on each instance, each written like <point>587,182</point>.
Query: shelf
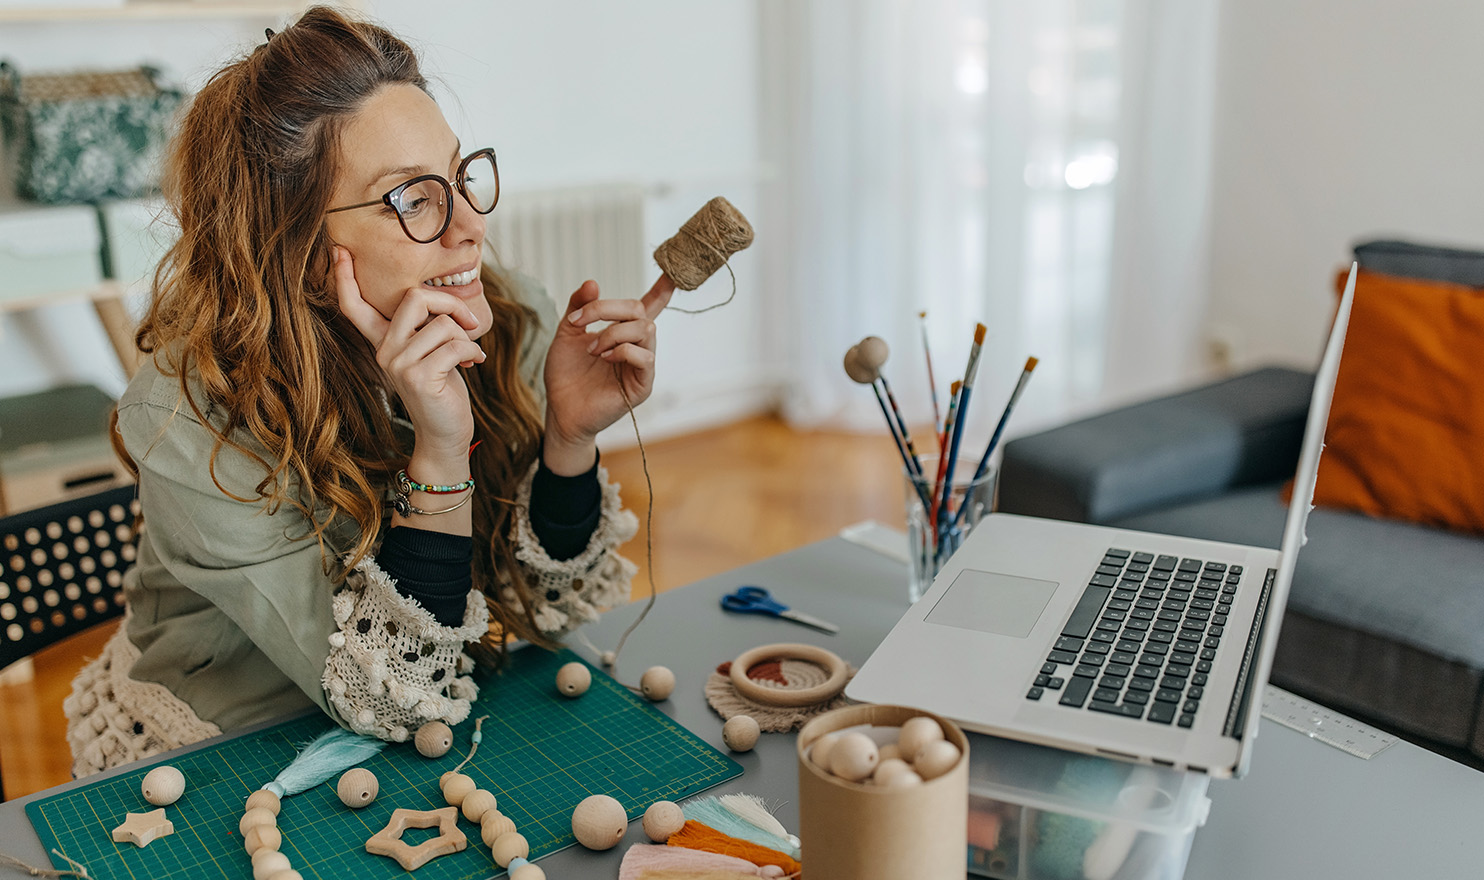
<point>156,10</point>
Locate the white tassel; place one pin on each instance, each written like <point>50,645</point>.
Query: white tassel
<point>751,808</point>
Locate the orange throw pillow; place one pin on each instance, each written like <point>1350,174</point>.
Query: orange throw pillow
<point>1406,428</point>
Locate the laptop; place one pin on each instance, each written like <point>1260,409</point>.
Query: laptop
<point>1133,645</point>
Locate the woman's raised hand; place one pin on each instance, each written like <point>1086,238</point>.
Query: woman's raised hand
<point>419,348</point>
<point>583,395</point>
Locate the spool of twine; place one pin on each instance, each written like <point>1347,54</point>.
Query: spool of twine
<point>704,244</point>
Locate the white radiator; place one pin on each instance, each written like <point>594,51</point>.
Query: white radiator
<point>564,237</point>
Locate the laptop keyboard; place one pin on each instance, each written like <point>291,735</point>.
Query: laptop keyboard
<point>1142,639</point>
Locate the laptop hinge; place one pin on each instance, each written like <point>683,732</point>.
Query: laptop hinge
<point>1236,713</point>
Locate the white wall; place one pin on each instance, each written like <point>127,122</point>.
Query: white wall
<point>659,92</point>
<point>1337,121</point>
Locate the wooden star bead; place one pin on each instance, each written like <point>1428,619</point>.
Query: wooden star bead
<point>433,740</point>
<point>476,803</point>
<point>456,786</point>
<point>268,862</point>
<point>493,824</point>
<point>508,846</point>
<point>141,829</point>
<point>260,837</point>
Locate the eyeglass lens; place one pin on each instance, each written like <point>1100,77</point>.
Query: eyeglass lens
<point>424,206</point>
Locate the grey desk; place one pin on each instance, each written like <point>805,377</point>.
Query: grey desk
<point>1306,810</point>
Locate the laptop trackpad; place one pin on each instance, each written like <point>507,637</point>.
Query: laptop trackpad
<point>995,603</point>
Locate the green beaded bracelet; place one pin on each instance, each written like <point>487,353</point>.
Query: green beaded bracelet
<point>406,486</point>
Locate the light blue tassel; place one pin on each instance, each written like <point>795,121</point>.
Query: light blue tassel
<point>327,755</point>
<point>709,811</point>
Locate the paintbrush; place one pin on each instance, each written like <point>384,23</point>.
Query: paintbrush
<point>859,372</point>
<point>994,439</point>
<point>958,424</point>
<point>927,353</point>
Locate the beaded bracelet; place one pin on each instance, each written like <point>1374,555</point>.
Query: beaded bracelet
<point>403,506</point>
<point>406,485</point>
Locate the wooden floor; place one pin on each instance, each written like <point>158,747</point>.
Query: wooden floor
<point>722,498</point>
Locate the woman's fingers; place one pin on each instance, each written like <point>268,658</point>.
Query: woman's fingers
<point>640,331</point>
<point>437,332</point>
<point>365,317</point>
<point>421,305</point>
<point>658,296</point>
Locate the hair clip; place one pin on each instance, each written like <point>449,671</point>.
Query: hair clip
<point>268,33</point>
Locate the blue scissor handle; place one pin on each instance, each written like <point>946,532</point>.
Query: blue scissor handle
<point>752,600</point>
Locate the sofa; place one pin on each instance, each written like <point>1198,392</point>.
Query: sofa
<point>1385,619</point>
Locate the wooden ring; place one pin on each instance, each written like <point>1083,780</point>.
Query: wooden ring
<point>820,693</point>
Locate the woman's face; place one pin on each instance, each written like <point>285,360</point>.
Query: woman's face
<point>400,134</point>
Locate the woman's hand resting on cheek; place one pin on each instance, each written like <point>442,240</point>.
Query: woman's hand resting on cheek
<point>420,348</point>
<point>583,394</point>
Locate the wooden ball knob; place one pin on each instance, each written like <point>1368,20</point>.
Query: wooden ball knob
<point>857,371</point>
<point>573,679</point>
<point>433,740</point>
<point>357,787</point>
<point>163,786</point>
<point>663,819</point>
<point>657,683</point>
<point>599,822</point>
<point>872,353</point>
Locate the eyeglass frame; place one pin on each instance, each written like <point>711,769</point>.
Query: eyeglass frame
<point>448,188</point>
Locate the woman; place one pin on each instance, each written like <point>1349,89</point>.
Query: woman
<point>347,465</point>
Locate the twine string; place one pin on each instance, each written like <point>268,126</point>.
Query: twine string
<point>474,747</point>
<point>648,522</point>
<point>78,869</point>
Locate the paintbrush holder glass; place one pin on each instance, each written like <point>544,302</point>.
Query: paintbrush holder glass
<point>936,530</point>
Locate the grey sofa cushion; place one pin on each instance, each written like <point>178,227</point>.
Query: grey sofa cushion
<point>1407,260</point>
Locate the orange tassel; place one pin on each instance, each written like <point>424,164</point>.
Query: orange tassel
<point>694,835</point>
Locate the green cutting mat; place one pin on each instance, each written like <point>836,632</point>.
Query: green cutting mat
<point>541,754</point>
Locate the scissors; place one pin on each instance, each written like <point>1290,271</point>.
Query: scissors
<point>756,600</point>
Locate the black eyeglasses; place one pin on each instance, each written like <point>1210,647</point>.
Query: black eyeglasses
<point>424,205</point>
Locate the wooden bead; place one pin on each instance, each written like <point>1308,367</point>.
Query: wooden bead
<point>510,845</point>
<point>528,871</point>
<point>456,787</point>
<point>254,817</point>
<point>433,740</point>
<point>265,799</point>
<point>740,733</point>
<point>935,759</point>
<point>657,683</point>
<point>916,733</point>
<point>888,768</point>
<point>267,862</point>
<point>854,757</point>
<point>261,837</point>
<point>903,780</point>
<point>493,824</point>
<point>573,679</point>
<point>163,786</point>
<point>857,371</point>
<point>476,803</point>
<point>819,753</point>
<point>599,822</point>
<point>889,751</point>
<point>872,353</point>
<point>357,787</point>
<point>662,819</point>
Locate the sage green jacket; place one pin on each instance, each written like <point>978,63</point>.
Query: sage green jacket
<point>229,604</point>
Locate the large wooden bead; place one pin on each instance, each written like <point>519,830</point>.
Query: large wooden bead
<point>433,740</point>
<point>819,753</point>
<point>477,803</point>
<point>163,786</point>
<point>872,353</point>
<point>599,822</point>
<point>916,733</point>
<point>456,787</point>
<point>510,845</point>
<point>935,759</point>
<point>740,733</point>
<point>254,817</point>
<point>265,799</point>
<point>887,768</point>
<point>289,874</point>
<point>267,862</point>
<point>493,824</point>
<point>662,819</point>
<point>261,837</point>
<point>573,679</point>
<point>528,871</point>
<point>657,683</point>
<point>854,757</point>
<point>357,787</point>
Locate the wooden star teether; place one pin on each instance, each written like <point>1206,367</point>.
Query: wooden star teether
<point>388,841</point>
<point>141,829</point>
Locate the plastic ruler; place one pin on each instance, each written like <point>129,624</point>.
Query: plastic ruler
<point>1324,724</point>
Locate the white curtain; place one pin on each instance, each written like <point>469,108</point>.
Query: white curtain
<point>1038,167</point>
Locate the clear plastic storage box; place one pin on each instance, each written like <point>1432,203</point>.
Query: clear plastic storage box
<point>1038,813</point>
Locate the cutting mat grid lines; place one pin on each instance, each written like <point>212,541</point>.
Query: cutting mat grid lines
<point>540,755</point>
